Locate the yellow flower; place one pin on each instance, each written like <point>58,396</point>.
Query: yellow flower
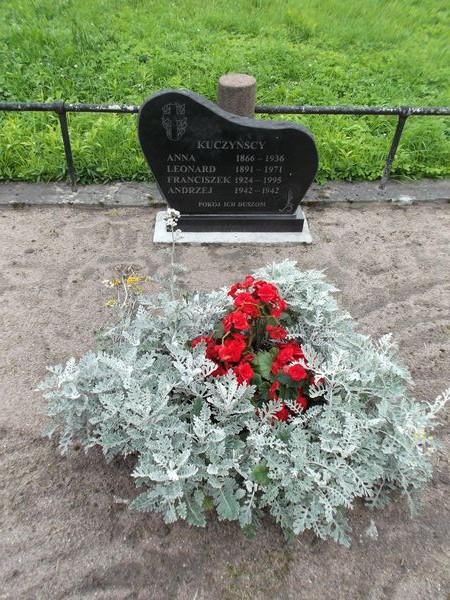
<point>116,282</point>
<point>419,435</point>
<point>111,302</point>
<point>132,279</point>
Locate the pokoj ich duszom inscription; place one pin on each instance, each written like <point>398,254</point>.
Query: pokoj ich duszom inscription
<point>218,169</point>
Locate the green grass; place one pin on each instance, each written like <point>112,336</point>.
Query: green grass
<point>364,52</point>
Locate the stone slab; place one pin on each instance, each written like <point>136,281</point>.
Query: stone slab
<point>162,236</point>
<point>207,161</point>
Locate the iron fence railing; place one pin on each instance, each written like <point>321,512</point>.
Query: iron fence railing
<point>403,112</point>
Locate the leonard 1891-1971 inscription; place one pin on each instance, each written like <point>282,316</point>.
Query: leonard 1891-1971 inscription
<point>225,172</point>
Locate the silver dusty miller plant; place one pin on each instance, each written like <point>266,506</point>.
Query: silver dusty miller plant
<point>200,444</point>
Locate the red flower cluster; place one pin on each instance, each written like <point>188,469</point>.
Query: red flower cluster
<point>249,341</point>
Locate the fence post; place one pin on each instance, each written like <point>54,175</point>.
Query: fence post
<point>236,93</point>
<point>395,141</point>
<point>62,116</point>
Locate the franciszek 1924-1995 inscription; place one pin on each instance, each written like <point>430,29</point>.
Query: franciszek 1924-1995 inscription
<point>224,172</point>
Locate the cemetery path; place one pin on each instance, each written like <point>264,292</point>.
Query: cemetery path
<point>65,528</point>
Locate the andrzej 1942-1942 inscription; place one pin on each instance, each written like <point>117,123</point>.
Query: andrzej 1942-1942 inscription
<point>224,172</point>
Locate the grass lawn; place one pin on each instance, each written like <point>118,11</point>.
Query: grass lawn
<point>365,52</point>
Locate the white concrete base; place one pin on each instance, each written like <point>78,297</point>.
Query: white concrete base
<point>161,236</point>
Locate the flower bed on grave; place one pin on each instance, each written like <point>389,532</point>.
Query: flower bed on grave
<point>258,399</point>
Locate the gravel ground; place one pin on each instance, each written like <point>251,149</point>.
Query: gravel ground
<point>65,529</point>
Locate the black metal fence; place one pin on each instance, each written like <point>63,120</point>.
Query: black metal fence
<point>402,113</point>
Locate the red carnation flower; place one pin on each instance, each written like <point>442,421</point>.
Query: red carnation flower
<point>283,414</point>
<point>276,366</point>
<point>236,319</point>
<point>239,336</point>
<point>282,304</point>
<point>243,372</point>
<point>219,371</point>
<point>244,297</point>
<point>274,390</point>
<point>240,320</point>
<point>289,352</point>
<point>247,304</point>
<point>276,333</point>
<point>302,401</point>
<point>266,291</point>
<point>227,323</point>
<point>244,285</point>
<point>297,372</point>
<point>231,350</point>
<point>278,309</point>
<point>212,352</point>
<point>234,289</point>
<point>248,282</point>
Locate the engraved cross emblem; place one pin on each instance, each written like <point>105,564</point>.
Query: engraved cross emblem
<point>174,120</point>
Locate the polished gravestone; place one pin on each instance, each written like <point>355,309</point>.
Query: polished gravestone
<point>223,172</point>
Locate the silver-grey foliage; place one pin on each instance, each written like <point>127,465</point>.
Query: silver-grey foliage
<point>197,440</point>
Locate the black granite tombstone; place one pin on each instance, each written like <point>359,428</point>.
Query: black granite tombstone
<point>223,172</point>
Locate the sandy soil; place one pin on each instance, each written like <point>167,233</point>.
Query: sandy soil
<point>66,532</point>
